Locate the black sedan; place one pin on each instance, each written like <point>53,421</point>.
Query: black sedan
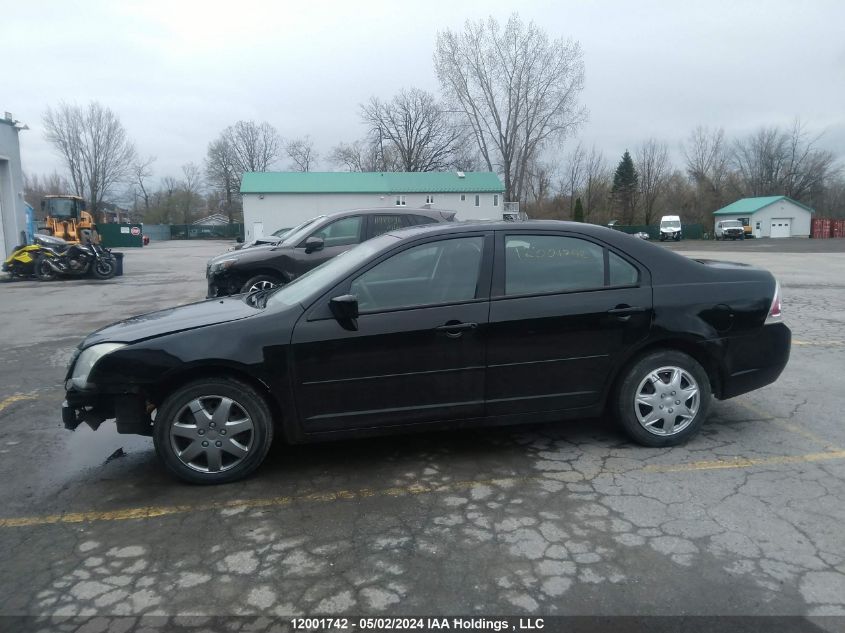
<point>438,326</point>
<point>307,246</point>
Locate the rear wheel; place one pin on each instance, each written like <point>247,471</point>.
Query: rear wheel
<point>213,431</point>
<point>260,282</point>
<point>43,270</point>
<point>663,399</point>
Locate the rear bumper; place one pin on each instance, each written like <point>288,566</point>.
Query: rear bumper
<point>755,360</point>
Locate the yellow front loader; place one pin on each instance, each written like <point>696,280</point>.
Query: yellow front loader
<point>65,217</point>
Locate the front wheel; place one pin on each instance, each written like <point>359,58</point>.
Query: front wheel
<point>663,399</point>
<point>43,270</point>
<point>260,282</point>
<point>104,268</point>
<point>213,431</point>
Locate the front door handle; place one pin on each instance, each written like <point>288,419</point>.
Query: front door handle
<point>455,329</point>
<point>625,310</point>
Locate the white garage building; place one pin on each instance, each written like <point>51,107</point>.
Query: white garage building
<point>275,200</point>
<point>770,216</point>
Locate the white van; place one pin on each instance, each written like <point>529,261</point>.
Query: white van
<point>670,228</point>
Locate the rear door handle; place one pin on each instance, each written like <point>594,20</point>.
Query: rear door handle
<point>456,329</point>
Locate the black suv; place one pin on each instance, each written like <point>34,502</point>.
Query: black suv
<point>307,246</point>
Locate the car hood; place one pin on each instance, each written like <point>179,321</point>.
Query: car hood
<point>179,319</point>
<point>248,254</point>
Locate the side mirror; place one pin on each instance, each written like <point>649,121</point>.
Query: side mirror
<point>345,310</point>
<point>314,244</point>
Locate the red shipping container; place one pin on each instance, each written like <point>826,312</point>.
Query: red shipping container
<point>838,228</point>
<point>820,228</point>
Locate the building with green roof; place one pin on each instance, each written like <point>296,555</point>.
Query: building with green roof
<point>770,216</point>
<point>275,200</point>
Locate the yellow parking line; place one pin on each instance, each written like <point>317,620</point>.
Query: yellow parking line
<point>18,397</point>
<point>791,427</point>
<point>149,512</point>
<point>819,343</point>
<point>745,462</point>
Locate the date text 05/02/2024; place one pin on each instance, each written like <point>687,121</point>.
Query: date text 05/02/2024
<point>417,624</point>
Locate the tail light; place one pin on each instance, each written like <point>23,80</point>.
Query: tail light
<point>775,309</point>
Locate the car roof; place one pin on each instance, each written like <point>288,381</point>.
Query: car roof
<point>430,213</point>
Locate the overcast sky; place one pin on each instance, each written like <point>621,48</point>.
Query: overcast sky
<point>178,72</point>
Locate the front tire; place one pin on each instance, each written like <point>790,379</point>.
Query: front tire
<point>663,399</point>
<point>213,431</point>
<point>104,268</point>
<point>260,282</point>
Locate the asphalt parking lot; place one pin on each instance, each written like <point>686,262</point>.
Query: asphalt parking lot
<point>568,518</point>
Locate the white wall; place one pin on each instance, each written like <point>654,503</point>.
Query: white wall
<point>799,216</point>
<point>278,210</point>
<point>12,213</point>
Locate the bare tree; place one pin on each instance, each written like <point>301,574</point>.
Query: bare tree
<point>364,155</point>
<point>301,151</point>
<point>707,167</point>
<point>417,127</point>
<point>223,176</point>
<point>191,186</point>
<point>539,182</point>
<point>170,187</point>
<point>573,176</point>
<point>254,146</point>
<point>597,183</point>
<point>36,188</point>
<point>652,161</point>
<point>808,168</point>
<point>94,145</point>
<point>517,89</point>
<point>141,172</point>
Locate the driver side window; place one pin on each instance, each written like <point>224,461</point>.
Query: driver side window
<point>439,272</point>
<point>341,232</point>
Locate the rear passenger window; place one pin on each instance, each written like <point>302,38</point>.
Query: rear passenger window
<point>421,219</point>
<point>386,223</point>
<point>551,263</point>
<point>621,272</point>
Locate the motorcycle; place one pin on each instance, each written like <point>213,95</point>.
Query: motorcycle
<point>58,258</point>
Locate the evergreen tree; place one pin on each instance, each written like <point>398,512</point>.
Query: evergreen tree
<point>625,188</point>
<point>578,213</point>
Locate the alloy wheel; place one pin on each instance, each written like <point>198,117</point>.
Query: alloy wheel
<point>212,434</point>
<point>667,401</point>
<point>261,285</point>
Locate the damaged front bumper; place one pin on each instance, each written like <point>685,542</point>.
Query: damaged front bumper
<point>130,411</point>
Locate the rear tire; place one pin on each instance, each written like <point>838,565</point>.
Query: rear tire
<point>213,431</point>
<point>663,399</point>
<point>260,282</point>
<point>44,271</point>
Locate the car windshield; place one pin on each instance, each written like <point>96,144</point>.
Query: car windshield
<point>328,273</point>
<point>297,233</point>
<point>670,224</point>
<point>731,224</point>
